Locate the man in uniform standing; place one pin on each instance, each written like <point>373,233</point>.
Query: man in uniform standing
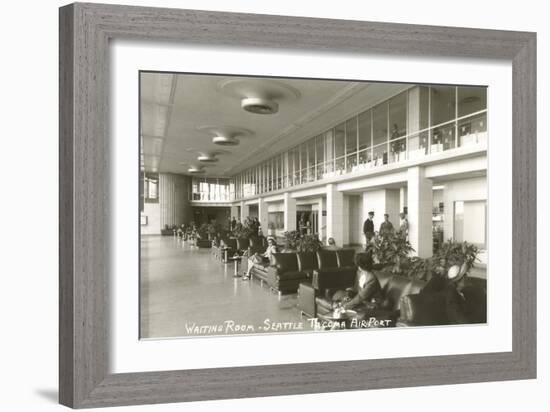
<point>368,228</point>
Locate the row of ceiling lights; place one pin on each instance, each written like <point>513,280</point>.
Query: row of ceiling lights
<point>257,96</point>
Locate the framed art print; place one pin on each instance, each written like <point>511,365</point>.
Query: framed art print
<point>275,205</point>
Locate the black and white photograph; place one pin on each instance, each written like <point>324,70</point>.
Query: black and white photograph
<point>275,206</point>
<point>297,205</point>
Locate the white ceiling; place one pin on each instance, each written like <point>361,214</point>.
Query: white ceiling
<point>174,107</point>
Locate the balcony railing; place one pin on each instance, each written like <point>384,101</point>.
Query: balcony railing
<point>457,133</point>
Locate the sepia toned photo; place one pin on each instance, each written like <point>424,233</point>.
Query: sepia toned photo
<point>293,205</point>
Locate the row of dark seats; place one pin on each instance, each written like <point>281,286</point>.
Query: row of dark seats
<point>402,300</point>
<point>226,247</point>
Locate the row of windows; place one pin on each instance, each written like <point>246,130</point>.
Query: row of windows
<point>417,122</point>
<point>212,189</point>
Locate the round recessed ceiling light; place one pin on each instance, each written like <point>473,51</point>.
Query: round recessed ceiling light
<point>225,141</point>
<point>207,158</point>
<point>259,105</point>
<point>195,170</point>
<point>259,96</point>
<point>226,135</point>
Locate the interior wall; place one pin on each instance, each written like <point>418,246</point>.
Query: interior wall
<point>474,223</point>
<point>355,210</point>
<point>381,201</point>
<point>175,207</point>
<point>152,211</point>
<point>460,190</point>
<point>252,210</point>
<point>275,207</point>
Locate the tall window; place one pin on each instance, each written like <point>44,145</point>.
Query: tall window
<point>329,152</point>
<point>443,104</point>
<point>311,160</point>
<point>471,100</point>
<point>211,189</point>
<point>364,121</point>
<point>398,116</point>
<point>380,124</point>
<point>351,144</point>
<point>151,187</point>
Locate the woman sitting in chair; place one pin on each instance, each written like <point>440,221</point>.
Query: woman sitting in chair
<point>260,260</point>
<point>369,290</point>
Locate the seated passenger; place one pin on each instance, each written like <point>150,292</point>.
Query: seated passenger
<point>260,260</point>
<point>331,244</point>
<point>463,304</point>
<point>369,291</point>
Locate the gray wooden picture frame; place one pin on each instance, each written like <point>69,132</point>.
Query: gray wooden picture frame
<point>85,31</point>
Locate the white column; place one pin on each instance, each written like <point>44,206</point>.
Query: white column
<point>262,215</point>
<point>345,221</point>
<point>402,198</point>
<point>335,214</point>
<point>322,221</point>
<point>419,202</point>
<point>289,207</point>
<point>234,212</point>
<point>244,211</point>
<point>174,204</point>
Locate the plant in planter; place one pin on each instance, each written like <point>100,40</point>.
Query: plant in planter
<point>452,253</point>
<point>309,243</point>
<point>419,268</point>
<point>212,230</point>
<point>291,240</point>
<point>202,236</point>
<point>391,250</point>
<point>202,231</point>
<point>294,241</point>
<point>243,230</point>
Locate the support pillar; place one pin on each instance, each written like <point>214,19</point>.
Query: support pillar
<point>345,221</point>
<point>290,212</point>
<point>402,198</point>
<point>419,202</point>
<point>262,215</point>
<point>335,214</point>
<point>174,204</point>
<point>234,212</point>
<point>244,211</point>
<point>322,220</point>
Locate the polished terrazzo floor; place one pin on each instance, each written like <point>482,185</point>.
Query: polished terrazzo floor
<point>185,291</point>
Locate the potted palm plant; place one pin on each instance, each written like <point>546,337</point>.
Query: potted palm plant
<point>291,240</point>
<point>390,251</point>
<point>294,241</point>
<point>309,243</point>
<point>450,253</point>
